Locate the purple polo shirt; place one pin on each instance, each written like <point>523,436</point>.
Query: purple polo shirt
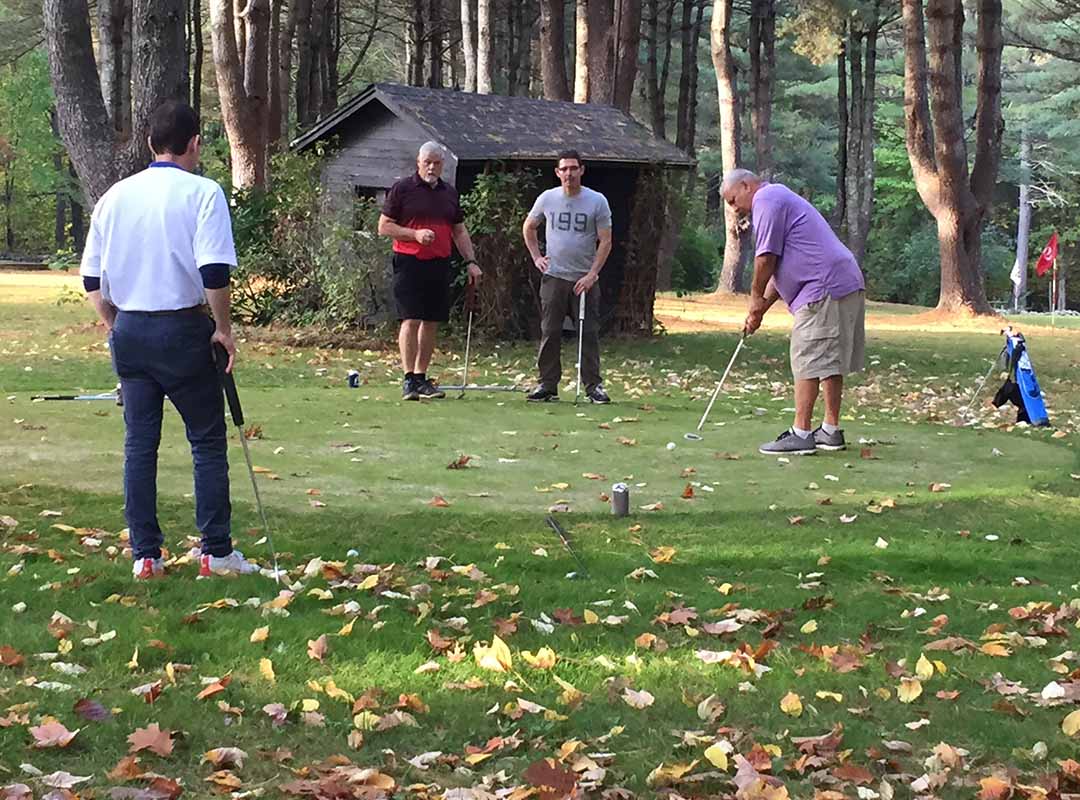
<point>811,262</point>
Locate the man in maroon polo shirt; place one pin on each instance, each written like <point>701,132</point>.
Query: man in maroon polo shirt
<point>424,218</point>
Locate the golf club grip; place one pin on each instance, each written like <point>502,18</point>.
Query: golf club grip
<point>228,383</point>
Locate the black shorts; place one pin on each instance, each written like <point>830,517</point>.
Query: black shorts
<point>422,288</point>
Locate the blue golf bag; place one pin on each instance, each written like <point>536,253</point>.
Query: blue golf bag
<point>1021,387</point>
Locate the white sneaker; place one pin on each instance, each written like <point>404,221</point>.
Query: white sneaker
<point>146,568</point>
<point>232,564</point>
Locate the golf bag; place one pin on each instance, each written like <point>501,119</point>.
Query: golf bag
<point>1021,387</point>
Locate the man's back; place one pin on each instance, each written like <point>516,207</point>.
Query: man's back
<point>150,233</point>
<point>812,262</point>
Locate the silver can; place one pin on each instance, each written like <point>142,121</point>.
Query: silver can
<point>620,499</point>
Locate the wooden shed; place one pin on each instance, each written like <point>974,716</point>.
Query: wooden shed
<point>372,140</point>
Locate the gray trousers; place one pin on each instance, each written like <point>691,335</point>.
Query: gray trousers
<point>557,300</point>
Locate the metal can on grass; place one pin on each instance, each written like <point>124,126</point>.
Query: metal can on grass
<point>354,379</point>
<point>620,499</point>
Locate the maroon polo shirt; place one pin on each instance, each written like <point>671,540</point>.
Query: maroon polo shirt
<point>414,203</point>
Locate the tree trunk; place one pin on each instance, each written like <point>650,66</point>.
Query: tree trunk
<point>859,172</point>
<point>468,45</point>
<point>198,55</point>
<point>243,87</point>
<point>683,110</point>
<point>934,127</point>
<point>581,52</point>
<point>691,117</point>
<point>285,62</point>
<point>114,48</point>
<point>513,30</point>
<point>628,39</point>
<point>736,239</point>
<point>653,99</point>
<point>840,218</point>
<point>317,55</point>
<point>332,52</point>
<point>483,47</point>
<point>553,49</point>
<point>274,120</point>
<point>601,21</point>
<point>99,154</point>
<point>1023,225</point>
<point>301,11</point>
<point>78,225</point>
<point>435,44</point>
<point>762,80</point>
<point>665,69</point>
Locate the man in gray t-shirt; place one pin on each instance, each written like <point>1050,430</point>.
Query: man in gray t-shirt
<point>577,233</point>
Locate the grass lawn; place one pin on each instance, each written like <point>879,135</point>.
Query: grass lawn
<point>907,603</point>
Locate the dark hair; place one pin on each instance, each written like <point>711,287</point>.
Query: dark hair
<point>172,126</point>
<point>568,154</point>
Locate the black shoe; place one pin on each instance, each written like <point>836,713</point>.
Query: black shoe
<point>409,389</point>
<point>597,395</point>
<point>428,390</point>
<point>541,394</point>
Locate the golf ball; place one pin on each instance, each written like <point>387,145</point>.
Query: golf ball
<point>671,445</point>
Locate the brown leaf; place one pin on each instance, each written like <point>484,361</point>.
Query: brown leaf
<point>10,657</point>
<point>225,757</point>
<point>438,642</point>
<point>461,462</point>
<point>52,734</point>
<point>853,773</point>
<point>126,769</point>
<point>151,738</point>
<point>867,453</point>
<point>438,501</point>
<point>317,648</point>
<point>994,789</point>
<point>548,775</point>
<point>217,687</point>
<point>687,492</point>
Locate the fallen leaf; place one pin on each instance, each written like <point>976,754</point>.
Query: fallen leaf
<point>151,738</point>
<point>225,757</point>
<point>260,634</point>
<point>636,699</point>
<point>1070,726</point>
<point>909,690</point>
<point>791,704</point>
<point>317,648</point>
<point>266,669</point>
<point>495,657</point>
<point>52,734</point>
<point>91,710</point>
<point>663,554</point>
<point>994,789</point>
<point>438,501</point>
<point>717,757</point>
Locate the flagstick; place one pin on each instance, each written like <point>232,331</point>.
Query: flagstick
<point>1053,298</point>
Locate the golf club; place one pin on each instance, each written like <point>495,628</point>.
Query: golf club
<point>696,436</point>
<point>982,383</point>
<point>470,306</point>
<point>463,389</point>
<point>116,396</point>
<point>228,383</point>
<point>564,537</point>
<point>580,326</point>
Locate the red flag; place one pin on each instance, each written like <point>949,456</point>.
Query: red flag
<point>1048,256</point>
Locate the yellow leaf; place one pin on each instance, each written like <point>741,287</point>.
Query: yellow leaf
<point>365,721</point>
<point>724,588</point>
<point>1070,726</point>
<point>309,704</point>
<point>260,634</point>
<point>334,693</point>
<point>346,629</point>
<point>475,758</point>
<point>717,757</point>
<point>809,627</point>
<point>496,657</point>
<point>170,673</point>
<point>134,663</point>
<point>571,694</point>
<point>909,690</point>
<point>883,692</point>
<point>924,669</point>
<point>823,695</point>
<point>266,669</point>
<point>560,486</point>
<point>545,658</point>
<point>940,667</point>
<point>996,649</point>
<point>370,582</point>
<point>663,554</point>
<point>591,617</point>
<point>791,704</point>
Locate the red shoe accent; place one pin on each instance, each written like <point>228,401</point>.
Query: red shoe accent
<point>147,570</point>
<point>204,566</point>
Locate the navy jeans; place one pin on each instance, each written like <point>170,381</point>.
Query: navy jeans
<point>168,355</point>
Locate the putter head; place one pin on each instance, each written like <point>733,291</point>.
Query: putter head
<point>693,437</point>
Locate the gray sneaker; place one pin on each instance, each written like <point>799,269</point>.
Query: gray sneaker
<point>829,441</point>
<point>789,443</point>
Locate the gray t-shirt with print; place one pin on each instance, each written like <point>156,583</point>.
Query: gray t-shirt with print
<point>571,229</point>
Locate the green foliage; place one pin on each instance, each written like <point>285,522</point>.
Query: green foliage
<point>698,258</point>
<point>302,260</point>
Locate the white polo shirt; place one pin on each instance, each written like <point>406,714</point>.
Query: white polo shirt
<point>150,233</point>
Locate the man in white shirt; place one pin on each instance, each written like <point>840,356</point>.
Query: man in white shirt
<point>158,252</point>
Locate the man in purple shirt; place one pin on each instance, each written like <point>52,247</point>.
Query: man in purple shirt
<point>800,260</point>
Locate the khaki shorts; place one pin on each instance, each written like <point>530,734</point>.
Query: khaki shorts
<point>829,337</point>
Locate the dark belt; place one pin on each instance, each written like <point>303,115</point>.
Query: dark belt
<point>171,312</point>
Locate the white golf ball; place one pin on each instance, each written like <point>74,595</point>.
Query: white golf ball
<point>671,445</point>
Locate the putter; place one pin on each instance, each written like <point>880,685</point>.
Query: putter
<point>463,388</point>
<point>696,436</point>
<point>470,306</point>
<point>580,327</point>
<point>117,396</point>
<point>228,383</point>
<point>564,537</point>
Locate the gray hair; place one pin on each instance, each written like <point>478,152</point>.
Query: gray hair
<point>432,148</point>
<point>737,175</point>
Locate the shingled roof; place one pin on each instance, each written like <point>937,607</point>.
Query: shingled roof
<point>481,127</point>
